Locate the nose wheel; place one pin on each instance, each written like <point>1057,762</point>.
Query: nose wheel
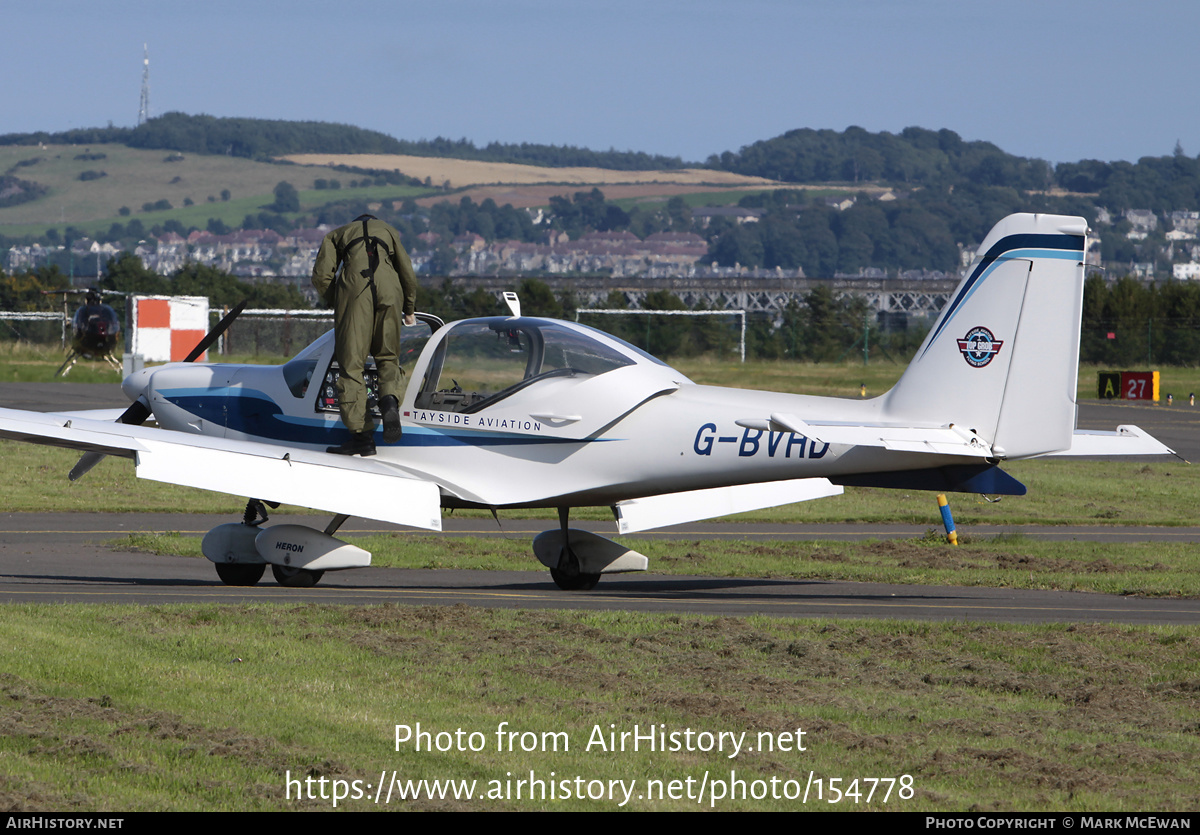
<point>240,573</point>
<point>574,582</point>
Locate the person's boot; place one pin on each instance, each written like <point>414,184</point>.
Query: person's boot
<point>390,408</point>
<point>360,443</point>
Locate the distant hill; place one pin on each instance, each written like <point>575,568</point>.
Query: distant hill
<point>263,138</point>
<point>913,157</point>
<point>941,159</point>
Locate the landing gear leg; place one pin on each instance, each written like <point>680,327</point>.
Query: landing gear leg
<point>67,365</point>
<point>254,510</point>
<point>567,575</point>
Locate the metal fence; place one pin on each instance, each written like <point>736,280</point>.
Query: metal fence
<point>39,328</point>
<point>257,331</point>
<point>276,333</point>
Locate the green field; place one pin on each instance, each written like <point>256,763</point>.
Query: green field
<point>205,707</point>
<point>134,177</point>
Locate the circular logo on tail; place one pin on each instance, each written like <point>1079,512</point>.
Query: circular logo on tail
<point>979,346</point>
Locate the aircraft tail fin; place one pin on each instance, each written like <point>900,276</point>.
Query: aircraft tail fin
<point>1003,357</point>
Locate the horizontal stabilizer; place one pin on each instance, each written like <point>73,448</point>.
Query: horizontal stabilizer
<point>1127,440</point>
<point>688,506</point>
<point>948,440</point>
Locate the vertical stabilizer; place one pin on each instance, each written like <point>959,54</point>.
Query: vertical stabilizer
<point>1003,357</point>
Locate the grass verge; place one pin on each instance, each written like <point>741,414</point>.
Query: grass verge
<point>214,707</point>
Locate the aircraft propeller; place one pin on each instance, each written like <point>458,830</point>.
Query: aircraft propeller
<point>139,410</point>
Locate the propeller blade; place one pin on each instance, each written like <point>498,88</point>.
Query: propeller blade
<point>214,334</point>
<point>135,415</point>
<point>138,410</point>
<point>84,465</point>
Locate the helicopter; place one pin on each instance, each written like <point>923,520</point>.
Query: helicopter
<point>95,328</point>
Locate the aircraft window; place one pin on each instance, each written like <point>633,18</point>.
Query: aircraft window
<point>298,371</point>
<point>630,346</point>
<point>484,361</point>
<point>412,342</point>
<point>570,349</point>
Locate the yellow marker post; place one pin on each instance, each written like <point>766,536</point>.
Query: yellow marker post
<point>947,519</point>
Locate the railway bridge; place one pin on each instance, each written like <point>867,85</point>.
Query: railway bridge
<point>770,296</point>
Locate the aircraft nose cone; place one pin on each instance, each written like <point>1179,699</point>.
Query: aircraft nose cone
<point>136,383</point>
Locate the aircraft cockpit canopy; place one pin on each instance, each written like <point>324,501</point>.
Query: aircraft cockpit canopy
<point>95,320</point>
<point>483,361</point>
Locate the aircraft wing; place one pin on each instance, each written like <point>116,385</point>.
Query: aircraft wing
<point>333,483</point>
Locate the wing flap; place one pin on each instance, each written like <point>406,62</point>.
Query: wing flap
<point>691,505</point>
<point>279,478</point>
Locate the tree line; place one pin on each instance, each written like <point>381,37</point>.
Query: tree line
<point>26,289</point>
<point>262,138</point>
<point>1132,324</point>
<point>1126,324</point>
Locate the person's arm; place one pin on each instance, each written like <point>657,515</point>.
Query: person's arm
<point>408,282</point>
<point>325,268</point>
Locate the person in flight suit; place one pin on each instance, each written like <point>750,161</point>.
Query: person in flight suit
<point>364,273</point>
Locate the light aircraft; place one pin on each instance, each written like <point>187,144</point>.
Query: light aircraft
<point>522,412</point>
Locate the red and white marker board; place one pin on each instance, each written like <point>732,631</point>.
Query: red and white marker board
<point>167,328</point>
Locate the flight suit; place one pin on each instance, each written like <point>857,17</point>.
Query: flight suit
<point>367,310</point>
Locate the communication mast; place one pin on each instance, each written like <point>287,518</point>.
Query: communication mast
<point>144,107</point>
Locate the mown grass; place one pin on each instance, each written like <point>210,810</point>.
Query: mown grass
<point>120,708</point>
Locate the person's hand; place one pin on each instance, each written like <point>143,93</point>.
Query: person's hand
<point>410,319</point>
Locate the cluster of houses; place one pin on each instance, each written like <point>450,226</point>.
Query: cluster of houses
<point>253,253</point>
<point>1180,240</point>
<point>264,253</point>
<point>621,254</point>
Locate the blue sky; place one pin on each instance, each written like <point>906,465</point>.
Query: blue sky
<point>1055,79</point>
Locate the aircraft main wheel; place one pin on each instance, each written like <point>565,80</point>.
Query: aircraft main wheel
<point>296,578</point>
<point>574,582</point>
<point>240,573</point>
